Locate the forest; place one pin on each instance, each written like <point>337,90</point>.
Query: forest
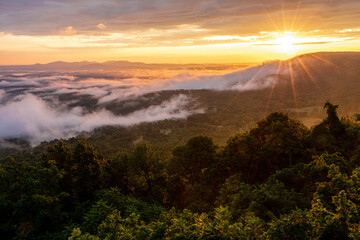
<point>278,180</point>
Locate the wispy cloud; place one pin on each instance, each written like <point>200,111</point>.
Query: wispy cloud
<point>35,119</point>
<point>68,31</point>
<point>27,17</point>
<point>169,30</point>
<point>46,105</point>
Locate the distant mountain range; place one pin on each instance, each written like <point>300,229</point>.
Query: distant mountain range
<point>216,105</point>
<point>112,66</point>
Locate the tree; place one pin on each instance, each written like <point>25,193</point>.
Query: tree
<point>277,142</point>
<point>86,170</point>
<point>194,158</point>
<point>139,173</point>
<point>330,135</point>
<point>118,173</point>
<point>293,226</point>
<point>30,198</point>
<point>148,175</point>
<point>83,168</point>
<point>335,206</point>
<point>193,177</point>
<point>280,139</point>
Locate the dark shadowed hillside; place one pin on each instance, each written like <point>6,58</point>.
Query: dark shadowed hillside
<point>317,78</point>
<point>216,105</point>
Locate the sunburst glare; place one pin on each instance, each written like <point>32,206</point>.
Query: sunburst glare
<point>286,43</point>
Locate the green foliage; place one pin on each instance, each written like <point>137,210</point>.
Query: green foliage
<point>338,200</point>
<point>277,181</point>
<point>194,174</point>
<point>357,117</point>
<point>267,201</point>
<point>83,168</point>
<point>177,225</point>
<point>87,170</point>
<point>331,134</point>
<point>139,173</point>
<point>30,198</point>
<point>277,142</point>
<point>77,235</point>
<point>129,205</point>
<point>148,172</point>
<point>296,225</point>
<point>96,214</point>
<point>194,158</point>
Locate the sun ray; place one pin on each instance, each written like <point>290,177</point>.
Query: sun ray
<point>273,87</point>
<point>308,72</point>
<point>309,19</point>
<point>241,90</point>
<point>293,85</point>
<point>270,18</point>
<point>295,16</point>
<point>324,60</point>
<point>318,26</point>
<point>283,16</point>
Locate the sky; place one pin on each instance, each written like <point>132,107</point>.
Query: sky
<point>174,31</point>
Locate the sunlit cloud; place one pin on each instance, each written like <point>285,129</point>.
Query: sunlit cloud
<point>228,37</point>
<point>173,31</point>
<point>101,26</point>
<point>68,31</point>
<point>349,30</point>
<point>35,119</point>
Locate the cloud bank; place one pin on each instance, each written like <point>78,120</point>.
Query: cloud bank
<point>253,78</point>
<point>33,118</point>
<point>46,105</point>
<point>27,17</point>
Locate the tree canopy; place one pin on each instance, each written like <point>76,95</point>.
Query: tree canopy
<point>278,180</point>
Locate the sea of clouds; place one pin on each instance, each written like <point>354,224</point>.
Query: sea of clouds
<point>31,107</point>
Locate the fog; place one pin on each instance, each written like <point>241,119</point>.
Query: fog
<point>37,105</point>
<point>30,116</point>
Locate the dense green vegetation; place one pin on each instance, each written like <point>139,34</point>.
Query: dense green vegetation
<point>280,180</point>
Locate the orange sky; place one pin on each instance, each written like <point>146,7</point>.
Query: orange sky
<point>174,31</point>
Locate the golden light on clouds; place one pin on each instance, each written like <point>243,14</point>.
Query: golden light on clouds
<point>101,26</point>
<point>175,31</point>
<point>67,31</point>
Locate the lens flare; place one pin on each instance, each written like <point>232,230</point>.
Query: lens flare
<point>286,43</point>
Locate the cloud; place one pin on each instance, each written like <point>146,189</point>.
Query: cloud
<point>124,87</point>
<point>95,91</point>
<point>167,30</point>
<point>257,77</point>
<point>101,26</point>
<point>38,104</point>
<point>228,37</point>
<point>34,118</point>
<point>68,31</point>
<point>27,17</point>
<point>2,94</point>
<point>6,144</point>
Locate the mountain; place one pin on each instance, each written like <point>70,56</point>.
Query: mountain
<point>61,66</point>
<point>278,180</point>
<point>218,104</point>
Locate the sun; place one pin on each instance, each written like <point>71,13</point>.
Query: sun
<point>286,43</point>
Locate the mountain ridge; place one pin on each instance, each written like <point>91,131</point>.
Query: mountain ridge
<point>109,62</point>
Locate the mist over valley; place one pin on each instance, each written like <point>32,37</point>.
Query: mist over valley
<point>63,100</point>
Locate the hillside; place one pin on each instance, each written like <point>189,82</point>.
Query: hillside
<point>183,161</point>
<point>279,180</point>
<point>326,76</point>
<point>216,104</point>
